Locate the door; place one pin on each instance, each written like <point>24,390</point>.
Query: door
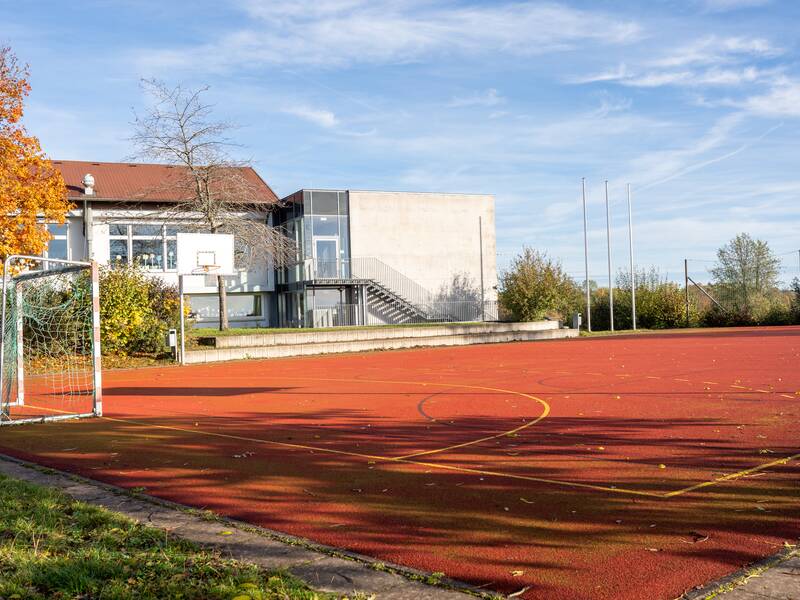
<point>326,254</point>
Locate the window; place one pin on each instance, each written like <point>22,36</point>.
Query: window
<point>240,307</point>
<point>58,246</point>
<point>324,203</point>
<point>149,245</point>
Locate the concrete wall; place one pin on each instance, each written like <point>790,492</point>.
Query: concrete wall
<point>431,238</point>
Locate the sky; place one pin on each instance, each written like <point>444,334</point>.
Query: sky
<point>695,104</point>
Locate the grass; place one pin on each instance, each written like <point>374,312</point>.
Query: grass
<point>52,546</point>
<point>198,332</point>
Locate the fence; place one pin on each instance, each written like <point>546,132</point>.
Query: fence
<point>349,315</point>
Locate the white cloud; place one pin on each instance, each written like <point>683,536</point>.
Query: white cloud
<point>716,50</point>
<point>318,116</point>
<point>346,32</point>
<point>710,61</point>
<point>782,100</point>
<point>490,97</point>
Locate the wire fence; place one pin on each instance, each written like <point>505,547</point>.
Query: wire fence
<point>383,313</point>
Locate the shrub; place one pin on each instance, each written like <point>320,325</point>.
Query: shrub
<point>135,311</point>
<point>660,304</point>
<point>795,303</point>
<point>536,286</point>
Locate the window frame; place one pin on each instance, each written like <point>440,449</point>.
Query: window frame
<point>55,236</point>
<point>167,236</point>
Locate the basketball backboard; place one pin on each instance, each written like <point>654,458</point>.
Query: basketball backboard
<point>205,254</point>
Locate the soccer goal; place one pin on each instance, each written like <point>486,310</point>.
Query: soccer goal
<point>50,350</point>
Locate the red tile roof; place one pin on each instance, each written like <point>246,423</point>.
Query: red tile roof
<point>139,182</point>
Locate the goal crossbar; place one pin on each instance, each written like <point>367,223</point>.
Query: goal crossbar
<point>66,384</point>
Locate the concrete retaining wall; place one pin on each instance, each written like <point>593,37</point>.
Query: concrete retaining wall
<point>374,333</point>
<point>362,340</point>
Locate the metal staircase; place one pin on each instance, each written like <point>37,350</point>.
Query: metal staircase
<point>389,291</point>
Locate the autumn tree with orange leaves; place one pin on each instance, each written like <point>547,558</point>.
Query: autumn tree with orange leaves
<point>32,191</point>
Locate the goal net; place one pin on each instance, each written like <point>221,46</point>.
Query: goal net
<point>50,351</point>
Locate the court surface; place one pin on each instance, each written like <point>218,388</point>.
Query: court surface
<point>619,467</point>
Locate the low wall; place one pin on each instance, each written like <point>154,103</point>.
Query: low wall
<point>371,333</point>
<point>363,340</point>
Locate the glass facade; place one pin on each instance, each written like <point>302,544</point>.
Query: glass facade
<point>318,221</point>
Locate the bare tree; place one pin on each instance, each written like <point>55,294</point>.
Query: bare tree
<point>217,193</point>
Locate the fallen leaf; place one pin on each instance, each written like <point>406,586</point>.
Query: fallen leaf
<point>226,533</point>
<point>526,501</point>
<point>662,466</point>
<point>517,573</point>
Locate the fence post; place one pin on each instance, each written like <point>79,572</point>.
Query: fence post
<point>686,286</point>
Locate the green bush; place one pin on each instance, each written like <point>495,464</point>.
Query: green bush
<point>660,304</point>
<point>536,286</point>
<point>773,307</point>
<point>136,311</point>
<point>794,311</point>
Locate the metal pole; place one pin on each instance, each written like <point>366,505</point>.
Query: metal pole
<point>686,286</point>
<point>586,259</point>
<point>97,354</point>
<point>610,281</point>
<point>3,342</point>
<point>630,249</point>
<point>480,243</point>
<point>20,347</point>
<point>183,327</point>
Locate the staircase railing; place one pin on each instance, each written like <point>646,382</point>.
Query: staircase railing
<point>380,275</point>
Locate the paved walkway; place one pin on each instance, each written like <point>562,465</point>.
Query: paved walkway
<point>316,565</point>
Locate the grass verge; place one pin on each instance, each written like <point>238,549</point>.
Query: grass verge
<point>213,332</point>
<point>52,546</point>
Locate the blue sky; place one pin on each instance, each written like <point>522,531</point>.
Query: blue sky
<point>695,103</point>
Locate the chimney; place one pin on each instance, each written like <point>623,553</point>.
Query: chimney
<point>88,184</point>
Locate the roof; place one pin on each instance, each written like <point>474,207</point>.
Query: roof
<point>140,182</point>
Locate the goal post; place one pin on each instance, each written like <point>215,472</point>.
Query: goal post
<point>50,362</point>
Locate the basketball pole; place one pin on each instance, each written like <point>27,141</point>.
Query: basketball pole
<point>586,259</point>
<point>630,249</point>
<point>610,281</point>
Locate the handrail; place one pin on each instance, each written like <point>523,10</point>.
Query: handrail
<point>403,288</point>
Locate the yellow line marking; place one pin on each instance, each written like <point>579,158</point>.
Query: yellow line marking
<point>739,387</point>
<point>787,396</point>
<point>764,391</point>
<point>545,412</point>
<point>711,382</point>
<point>536,479</point>
<point>652,377</point>
<point>406,459</point>
<point>691,488</point>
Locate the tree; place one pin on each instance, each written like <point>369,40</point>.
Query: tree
<point>536,286</point>
<point>31,189</point>
<point>177,129</point>
<point>746,272</point>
